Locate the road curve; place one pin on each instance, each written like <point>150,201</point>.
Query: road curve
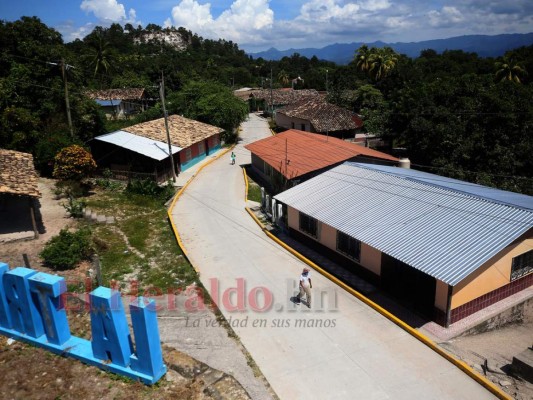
<point>339,349</point>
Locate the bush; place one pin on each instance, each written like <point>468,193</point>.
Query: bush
<point>146,187</point>
<point>74,207</point>
<point>73,163</point>
<point>67,249</point>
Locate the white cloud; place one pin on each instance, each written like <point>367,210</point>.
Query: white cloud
<point>71,32</point>
<point>105,10</point>
<point>447,16</point>
<point>242,22</point>
<point>109,11</point>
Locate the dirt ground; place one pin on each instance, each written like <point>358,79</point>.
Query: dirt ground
<point>54,218</point>
<point>497,347</point>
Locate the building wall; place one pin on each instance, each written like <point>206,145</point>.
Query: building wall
<point>293,123</point>
<point>197,152</point>
<point>370,258</point>
<point>492,275</point>
<point>441,296</point>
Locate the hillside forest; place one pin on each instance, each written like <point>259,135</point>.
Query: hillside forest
<point>454,114</point>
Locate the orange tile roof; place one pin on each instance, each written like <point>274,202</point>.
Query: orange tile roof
<point>17,174</point>
<point>307,152</point>
<point>183,131</point>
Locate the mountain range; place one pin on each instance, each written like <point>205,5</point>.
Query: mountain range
<point>342,53</point>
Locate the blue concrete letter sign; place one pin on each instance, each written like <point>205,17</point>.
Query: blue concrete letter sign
<point>32,310</point>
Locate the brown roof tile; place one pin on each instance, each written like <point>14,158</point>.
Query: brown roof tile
<point>307,152</point>
<point>116,94</point>
<point>17,174</point>
<point>183,131</point>
<point>323,116</point>
<point>283,96</point>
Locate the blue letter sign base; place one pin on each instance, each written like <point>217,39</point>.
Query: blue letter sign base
<point>31,311</point>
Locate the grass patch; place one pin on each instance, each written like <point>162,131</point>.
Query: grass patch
<point>254,191</point>
<point>140,244</point>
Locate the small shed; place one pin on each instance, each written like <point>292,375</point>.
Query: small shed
<point>19,194</point>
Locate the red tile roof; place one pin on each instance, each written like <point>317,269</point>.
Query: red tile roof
<point>307,152</point>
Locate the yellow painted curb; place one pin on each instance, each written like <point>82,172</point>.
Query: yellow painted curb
<point>245,184</point>
<point>421,337</point>
<point>178,195</point>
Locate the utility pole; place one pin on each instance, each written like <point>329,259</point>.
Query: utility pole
<point>64,69</point>
<point>271,97</point>
<point>162,95</point>
<point>327,91</point>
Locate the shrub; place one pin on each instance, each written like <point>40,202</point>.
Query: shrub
<point>74,207</point>
<point>146,187</point>
<point>73,163</point>
<point>67,249</point>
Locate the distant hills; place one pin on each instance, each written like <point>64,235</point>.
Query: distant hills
<point>342,53</point>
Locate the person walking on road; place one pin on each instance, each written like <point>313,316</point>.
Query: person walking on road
<point>232,157</point>
<point>305,287</point>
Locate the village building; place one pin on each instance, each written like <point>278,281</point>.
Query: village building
<point>293,156</point>
<point>120,103</point>
<point>316,115</point>
<point>142,150</point>
<point>270,100</point>
<point>444,248</point>
<point>19,194</point>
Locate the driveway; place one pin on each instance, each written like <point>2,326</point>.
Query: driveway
<point>340,348</point>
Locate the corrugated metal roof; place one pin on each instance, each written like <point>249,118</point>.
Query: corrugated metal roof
<point>108,103</point>
<point>139,144</point>
<point>307,152</point>
<point>443,227</point>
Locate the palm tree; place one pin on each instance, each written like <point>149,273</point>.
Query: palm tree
<point>100,54</point>
<point>283,78</point>
<point>509,70</point>
<point>382,62</point>
<point>362,55</point>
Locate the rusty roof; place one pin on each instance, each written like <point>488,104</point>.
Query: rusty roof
<point>17,174</point>
<point>183,131</point>
<point>323,116</point>
<point>116,94</point>
<point>307,152</point>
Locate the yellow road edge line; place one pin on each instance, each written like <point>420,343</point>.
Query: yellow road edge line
<point>175,199</point>
<point>413,332</point>
<point>245,184</point>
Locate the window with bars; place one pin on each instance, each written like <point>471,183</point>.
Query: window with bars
<point>308,225</point>
<point>348,246</point>
<point>522,265</point>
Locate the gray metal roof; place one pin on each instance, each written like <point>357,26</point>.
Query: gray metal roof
<point>107,103</point>
<point>139,144</point>
<point>442,227</point>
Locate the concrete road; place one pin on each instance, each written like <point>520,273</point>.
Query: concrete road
<point>338,349</point>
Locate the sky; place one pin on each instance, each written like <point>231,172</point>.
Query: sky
<point>257,25</point>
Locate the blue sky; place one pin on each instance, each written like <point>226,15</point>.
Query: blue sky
<point>260,24</point>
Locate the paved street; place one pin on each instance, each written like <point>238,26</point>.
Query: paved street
<point>339,349</point>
